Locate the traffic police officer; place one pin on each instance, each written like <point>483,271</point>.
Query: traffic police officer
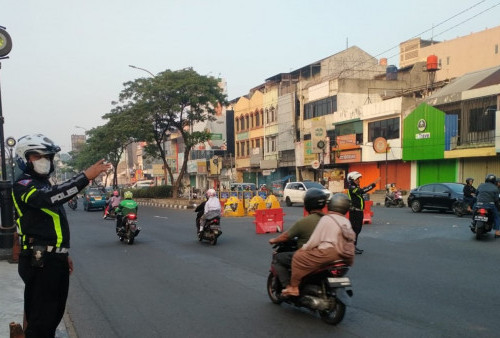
<point>44,263</point>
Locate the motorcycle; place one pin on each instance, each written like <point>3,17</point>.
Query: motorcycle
<point>212,230</point>
<point>131,230</point>
<point>460,208</point>
<point>326,290</point>
<point>109,214</point>
<point>482,220</point>
<point>73,203</point>
<point>394,199</point>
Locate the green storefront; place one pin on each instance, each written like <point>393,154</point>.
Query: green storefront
<point>424,142</point>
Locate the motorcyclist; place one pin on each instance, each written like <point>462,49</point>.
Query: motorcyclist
<point>212,208</point>
<point>314,201</point>
<point>112,203</point>
<point>322,246</point>
<point>488,198</point>
<point>127,206</point>
<point>469,193</point>
<point>356,193</point>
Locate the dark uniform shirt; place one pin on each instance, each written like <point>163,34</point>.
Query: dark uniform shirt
<point>356,195</point>
<point>41,219</point>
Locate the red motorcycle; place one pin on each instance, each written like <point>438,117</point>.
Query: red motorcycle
<point>326,290</point>
<point>131,230</point>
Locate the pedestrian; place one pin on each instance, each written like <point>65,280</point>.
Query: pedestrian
<point>356,193</point>
<point>44,262</point>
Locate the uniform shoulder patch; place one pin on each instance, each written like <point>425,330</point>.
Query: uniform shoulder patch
<point>25,182</point>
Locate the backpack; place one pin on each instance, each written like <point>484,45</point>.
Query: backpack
<point>345,242</point>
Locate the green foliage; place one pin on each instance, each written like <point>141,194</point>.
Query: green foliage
<point>172,101</point>
<point>161,191</point>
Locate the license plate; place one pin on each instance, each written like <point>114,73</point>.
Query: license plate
<point>97,198</point>
<point>481,218</point>
<point>339,281</point>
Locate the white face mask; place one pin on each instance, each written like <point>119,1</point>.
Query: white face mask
<point>42,166</point>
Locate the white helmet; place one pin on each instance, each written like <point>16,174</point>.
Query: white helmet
<point>36,143</point>
<point>353,176</point>
<point>211,192</point>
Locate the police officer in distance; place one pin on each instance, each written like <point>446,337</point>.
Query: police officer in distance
<point>44,262</point>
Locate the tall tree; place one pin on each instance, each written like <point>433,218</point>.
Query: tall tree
<point>172,101</point>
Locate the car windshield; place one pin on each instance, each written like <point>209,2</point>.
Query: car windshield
<point>310,185</point>
<point>94,192</point>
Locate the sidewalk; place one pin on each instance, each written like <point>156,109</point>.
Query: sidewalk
<point>11,300</point>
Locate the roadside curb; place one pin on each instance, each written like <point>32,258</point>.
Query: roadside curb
<point>163,205</point>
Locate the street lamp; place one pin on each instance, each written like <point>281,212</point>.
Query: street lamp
<point>147,71</point>
<point>11,143</point>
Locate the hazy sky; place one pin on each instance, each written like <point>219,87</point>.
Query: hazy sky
<point>70,58</point>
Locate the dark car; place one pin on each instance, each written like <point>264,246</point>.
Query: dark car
<point>94,198</point>
<point>435,196</point>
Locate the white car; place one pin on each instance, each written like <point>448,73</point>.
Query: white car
<point>294,192</point>
<point>142,184</point>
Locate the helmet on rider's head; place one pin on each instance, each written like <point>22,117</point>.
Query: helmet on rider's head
<point>469,180</point>
<point>34,144</point>
<point>128,195</point>
<point>211,193</point>
<point>490,178</point>
<point>339,203</point>
<point>315,199</point>
<point>116,193</point>
<point>353,176</point>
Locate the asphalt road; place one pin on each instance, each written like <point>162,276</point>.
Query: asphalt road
<point>422,275</point>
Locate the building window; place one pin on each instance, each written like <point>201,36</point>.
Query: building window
<point>248,148</point>
<point>247,121</point>
<point>237,124</point>
<point>242,123</point>
<point>447,60</point>
<point>271,144</point>
<point>496,49</point>
<point>482,119</point>
<point>257,143</point>
<point>388,129</point>
<point>320,107</point>
<point>257,119</point>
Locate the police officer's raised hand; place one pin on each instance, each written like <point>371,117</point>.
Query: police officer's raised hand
<point>94,170</point>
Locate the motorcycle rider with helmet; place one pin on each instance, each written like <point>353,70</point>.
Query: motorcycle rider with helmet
<point>469,193</point>
<point>356,193</point>
<point>127,206</point>
<point>44,261</point>
<point>212,208</point>
<point>321,248</point>
<point>314,201</point>
<point>112,203</point>
<point>488,198</point>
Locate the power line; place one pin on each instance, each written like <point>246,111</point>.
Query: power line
<point>439,24</point>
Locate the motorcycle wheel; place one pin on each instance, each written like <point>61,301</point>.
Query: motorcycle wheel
<point>401,204</point>
<point>273,285</point>
<point>458,209</point>
<point>387,203</point>
<point>479,229</point>
<point>334,315</point>
<point>130,239</point>
<point>213,241</point>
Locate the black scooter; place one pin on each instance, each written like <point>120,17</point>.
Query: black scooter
<point>326,290</point>
<point>482,220</point>
<point>211,231</point>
